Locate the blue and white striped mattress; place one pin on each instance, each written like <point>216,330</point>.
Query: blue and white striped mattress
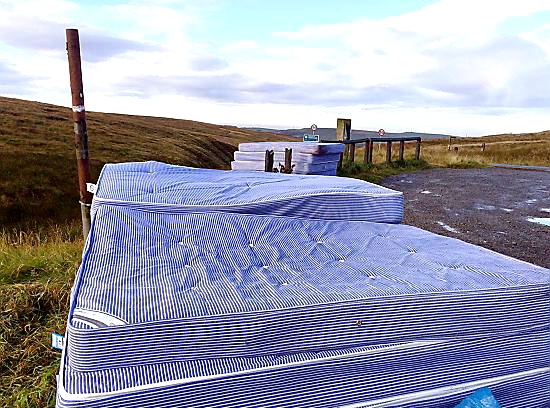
<point>412,374</point>
<point>297,147</point>
<point>279,157</point>
<point>187,189</point>
<point>324,168</point>
<point>196,309</point>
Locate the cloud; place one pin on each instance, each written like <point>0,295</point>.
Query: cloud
<point>13,82</point>
<point>450,56</point>
<point>208,64</point>
<point>50,36</point>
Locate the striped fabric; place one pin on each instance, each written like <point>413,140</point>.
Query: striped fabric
<point>307,158</point>
<point>360,378</point>
<point>186,189</point>
<point>298,147</point>
<point>279,157</point>
<point>177,305</point>
<point>326,168</point>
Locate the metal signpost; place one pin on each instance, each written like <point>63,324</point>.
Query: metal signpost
<point>313,137</point>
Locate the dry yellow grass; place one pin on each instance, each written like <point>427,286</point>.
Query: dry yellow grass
<point>523,149</point>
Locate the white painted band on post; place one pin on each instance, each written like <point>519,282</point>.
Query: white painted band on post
<point>79,108</point>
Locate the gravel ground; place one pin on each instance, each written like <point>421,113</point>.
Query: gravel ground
<point>489,207</point>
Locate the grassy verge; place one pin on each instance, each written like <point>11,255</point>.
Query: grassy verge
<point>376,172</point>
<point>36,274</point>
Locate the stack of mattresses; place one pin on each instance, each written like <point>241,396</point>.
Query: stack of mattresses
<point>179,308</point>
<point>307,157</point>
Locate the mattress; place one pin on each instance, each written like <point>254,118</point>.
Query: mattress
<point>328,168</point>
<point>187,189</point>
<point>297,147</point>
<point>188,306</point>
<point>411,375</point>
<point>279,157</point>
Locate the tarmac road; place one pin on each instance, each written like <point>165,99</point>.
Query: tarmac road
<point>489,207</point>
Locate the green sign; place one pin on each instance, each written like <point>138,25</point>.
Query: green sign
<point>311,138</point>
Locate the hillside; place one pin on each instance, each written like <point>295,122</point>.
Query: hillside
<point>38,166</point>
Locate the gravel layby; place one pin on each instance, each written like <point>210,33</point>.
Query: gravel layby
<point>491,207</point>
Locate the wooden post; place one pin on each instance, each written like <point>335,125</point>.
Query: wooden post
<point>80,129</point>
<point>401,150</point>
<point>417,155</point>
<point>371,147</point>
<point>343,132</point>
<point>388,152</point>
<point>288,161</point>
<point>352,152</point>
<point>366,153</point>
<point>269,158</point>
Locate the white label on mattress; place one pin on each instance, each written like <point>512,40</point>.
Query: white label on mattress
<point>58,341</point>
<point>91,187</point>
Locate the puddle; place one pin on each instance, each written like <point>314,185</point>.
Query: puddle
<point>531,201</point>
<point>485,207</point>
<point>501,232</point>
<point>545,210</point>
<point>448,228</point>
<point>508,210</point>
<point>426,192</point>
<point>541,221</point>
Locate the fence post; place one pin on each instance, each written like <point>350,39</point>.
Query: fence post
<point>352,152</point>
<point>366,153</point>
<point>401,150</point>
<point>388,152</point>
<point>269,159</point>
<point>343,132</point>
<point>371,148</point>
<point>80,130</point>
<point>417,155</point>
<point>288,161</point>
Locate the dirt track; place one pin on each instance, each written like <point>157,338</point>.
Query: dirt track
<point>488,207</point>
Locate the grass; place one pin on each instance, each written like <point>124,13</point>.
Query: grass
<point>376,172</point>
<point>40,238</point>
<point>36,274</point>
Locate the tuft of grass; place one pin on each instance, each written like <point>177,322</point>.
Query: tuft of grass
<point>375,172</point>
<point>41,255</point>
<point>29,313</point>
<point>465,164</point>
<point>36,273</point>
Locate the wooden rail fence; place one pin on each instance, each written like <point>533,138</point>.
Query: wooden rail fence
<point>369,144</point>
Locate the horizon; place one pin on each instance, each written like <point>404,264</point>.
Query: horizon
<point>454,67</point>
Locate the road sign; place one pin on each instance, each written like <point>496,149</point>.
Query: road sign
<point>314,127</point>
<point>381,132</point>
<point>310,138</point>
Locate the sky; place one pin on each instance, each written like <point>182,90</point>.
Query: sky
<point>461,67</point>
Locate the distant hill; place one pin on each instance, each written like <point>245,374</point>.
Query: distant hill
<point>37,157</point>
<point>330,133</point>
